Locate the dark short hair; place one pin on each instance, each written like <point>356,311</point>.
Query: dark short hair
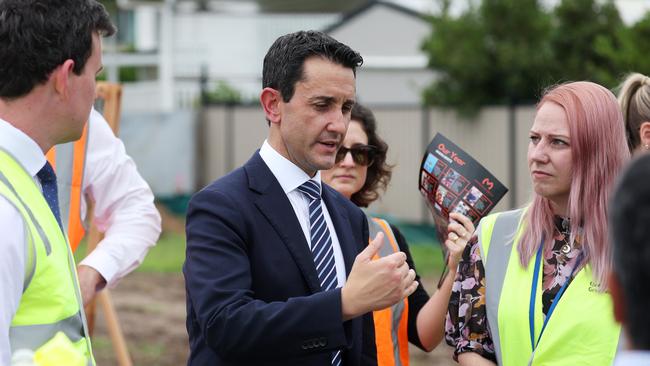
<point>283,63</point>
<point>630,230</point>
<point>36,36</point>
<point>379,173</point>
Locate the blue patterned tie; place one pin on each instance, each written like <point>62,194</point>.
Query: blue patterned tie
<point>48,182</point>
<point>321,245</point>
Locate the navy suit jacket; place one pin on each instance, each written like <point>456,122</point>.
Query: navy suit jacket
<point>253,294</point>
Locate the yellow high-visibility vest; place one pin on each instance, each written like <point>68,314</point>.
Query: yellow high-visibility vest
<point>581,329</point>
<point>51,301</point>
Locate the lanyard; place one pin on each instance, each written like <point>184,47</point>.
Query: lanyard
<point>533,294</point>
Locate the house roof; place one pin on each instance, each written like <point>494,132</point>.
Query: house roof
<point>370,4</point>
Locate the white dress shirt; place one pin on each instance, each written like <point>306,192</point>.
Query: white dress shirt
<point>12,227</point>
<point>632,358</point>
<point>290,178</point>
<point>124,208</point>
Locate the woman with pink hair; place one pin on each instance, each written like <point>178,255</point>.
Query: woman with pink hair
<point>530,287</point>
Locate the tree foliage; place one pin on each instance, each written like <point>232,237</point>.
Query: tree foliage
<point>223,93</point>
<point>507,51</point>
<point>587,42</point>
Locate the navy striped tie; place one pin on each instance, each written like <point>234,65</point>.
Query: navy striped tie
<point>50,191</point>
<point>321,245</point>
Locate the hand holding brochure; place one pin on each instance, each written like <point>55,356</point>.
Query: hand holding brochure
<point>452,181</point>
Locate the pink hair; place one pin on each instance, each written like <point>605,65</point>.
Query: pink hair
<point>598,150</point>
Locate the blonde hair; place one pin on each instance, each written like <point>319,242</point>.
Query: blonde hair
<point>634,98</point>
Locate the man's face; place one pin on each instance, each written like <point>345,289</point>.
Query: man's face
<point>313,123</point>
<point>82,90</point>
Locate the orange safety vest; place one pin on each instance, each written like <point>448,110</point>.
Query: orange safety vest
<point>69,160</point>
<point>391,335</point>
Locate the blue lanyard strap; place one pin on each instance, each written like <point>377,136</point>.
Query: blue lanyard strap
<point>533,295</point>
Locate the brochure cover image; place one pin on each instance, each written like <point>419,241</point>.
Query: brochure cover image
<point>453,181</point>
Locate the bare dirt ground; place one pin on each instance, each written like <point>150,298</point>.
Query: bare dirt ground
<point>151,309</point>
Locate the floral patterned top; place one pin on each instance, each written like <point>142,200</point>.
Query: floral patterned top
<point>466,327</point>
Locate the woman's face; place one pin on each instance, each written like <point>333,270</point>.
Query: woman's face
<point>346,176</point>
<point>549,155</point>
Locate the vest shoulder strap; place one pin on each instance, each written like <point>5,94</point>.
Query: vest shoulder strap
<point>391,334</point>
<point>502,231</point>
<point>377,225</point>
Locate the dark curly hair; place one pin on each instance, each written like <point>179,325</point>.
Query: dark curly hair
<point>36,36</point>
<point>379,172</point>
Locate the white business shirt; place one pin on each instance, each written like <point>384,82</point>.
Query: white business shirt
<point>12,227</point>
<point>632,358</point>
<point>124,208</point>
<point>290,178</point>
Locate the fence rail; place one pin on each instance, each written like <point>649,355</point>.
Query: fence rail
<point>497,137</point>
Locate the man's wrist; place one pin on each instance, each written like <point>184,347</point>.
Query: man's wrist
<point>97,278</point>
<point>348,306</point>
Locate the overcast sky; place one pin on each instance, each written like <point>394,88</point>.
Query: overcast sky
<point>631,10</point>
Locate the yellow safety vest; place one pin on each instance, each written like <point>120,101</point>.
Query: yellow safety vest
<point>51,301</point>
<point>391,333</point>
<point>581,330</point>
<point>69,161</point>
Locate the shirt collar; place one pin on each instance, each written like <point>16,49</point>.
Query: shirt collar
<point>25,150</point>
<point>288,174</point>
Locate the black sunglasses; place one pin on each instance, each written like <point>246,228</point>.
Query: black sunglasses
<point>361,154</point>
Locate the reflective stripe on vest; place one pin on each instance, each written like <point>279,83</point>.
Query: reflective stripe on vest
<point>30,249</point>
<point>581,331</point>
<point>51,300</point>
<point>391,334</point>
<point>69,161</point>
<point>498,257</point>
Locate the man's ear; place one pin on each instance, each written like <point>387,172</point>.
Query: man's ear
<point>644,134</point>
<point>270,100</point>
<point>618,300</point>
<point>61,78</point>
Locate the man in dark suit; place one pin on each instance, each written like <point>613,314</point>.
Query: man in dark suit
<point>278,273</point>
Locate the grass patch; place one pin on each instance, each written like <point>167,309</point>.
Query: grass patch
<point>153,350</point>
<point>428,258</point>
<point>167,256</point>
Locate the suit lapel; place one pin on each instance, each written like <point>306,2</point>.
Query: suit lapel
<point>276,208</point>
<point>341,222</point>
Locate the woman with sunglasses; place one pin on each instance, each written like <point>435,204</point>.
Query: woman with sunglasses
<point>360,173</point>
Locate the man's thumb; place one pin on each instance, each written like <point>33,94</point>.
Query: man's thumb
<point>373,247</point>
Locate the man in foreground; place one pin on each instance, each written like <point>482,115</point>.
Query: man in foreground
<point>51,54</point>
